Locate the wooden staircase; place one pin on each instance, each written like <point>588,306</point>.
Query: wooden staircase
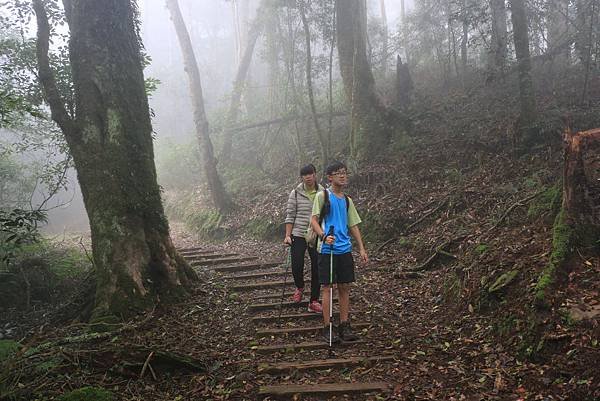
<point>287,327</point>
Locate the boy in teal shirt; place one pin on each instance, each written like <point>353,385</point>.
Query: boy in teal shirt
<point>343,217</point>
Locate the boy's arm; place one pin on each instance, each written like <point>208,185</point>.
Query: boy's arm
<point>355,232</point>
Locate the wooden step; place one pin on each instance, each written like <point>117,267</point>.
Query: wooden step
<point>209,256</point>
<point>260,286</point>
<point>274,295</point>
<point>277,305</point>
<point>223,261</point>
<point>311,345</point>
<point>288,390</point>
<point>248,267</point>
<point>297,330</point>
<point>292,316</point>
<point>194,249</point>
<point>320,364</point>
<point>252,276</point>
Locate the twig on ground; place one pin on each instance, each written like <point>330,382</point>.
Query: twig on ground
<point>410,227</point>
<point>521,202</point>
<point>146,364</point>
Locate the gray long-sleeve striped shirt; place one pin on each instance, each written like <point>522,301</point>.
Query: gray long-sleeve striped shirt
<point>299,208</point>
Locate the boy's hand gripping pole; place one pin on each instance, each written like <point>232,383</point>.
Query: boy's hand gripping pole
<point>330,233</point>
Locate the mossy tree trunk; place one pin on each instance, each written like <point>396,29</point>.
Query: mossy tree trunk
<point>370,132</point>
<point>220,198</point>
<point>578,222</point>
<point>110,139</point>
<point>528,110</point>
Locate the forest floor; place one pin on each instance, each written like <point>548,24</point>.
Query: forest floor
<point>442,233</point>
<point>458,228</point>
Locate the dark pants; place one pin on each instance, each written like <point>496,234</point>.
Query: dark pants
<point>299,247</point>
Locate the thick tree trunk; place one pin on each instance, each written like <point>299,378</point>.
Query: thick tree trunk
<point>110,140</point>
<point>498,49</point>
<point>309,86</point>
<point>220,198</point>
<point>527,119</point>
<point>370,133</point>
<point>240,81</point>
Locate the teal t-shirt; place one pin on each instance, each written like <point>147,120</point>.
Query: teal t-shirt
<point>340,219</point>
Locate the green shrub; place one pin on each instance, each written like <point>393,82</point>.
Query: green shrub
<point>547,203</point>
<point>263,228</point>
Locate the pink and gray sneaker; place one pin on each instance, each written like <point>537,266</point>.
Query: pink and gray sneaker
<point>315,307</point>
<point>297,297</point>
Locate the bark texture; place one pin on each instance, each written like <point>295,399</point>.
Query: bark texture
<point>110,139</point>
<point>370,132</point>
<point>220,199</point>
<point>528,109</point>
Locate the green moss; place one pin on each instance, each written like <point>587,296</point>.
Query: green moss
<point>503,281</point>
<point>561,249</point>
<point>262,228</point>
<point>548,203</point>
<point>207,223</point>
<point>481,248</point>
<point>7,349</point>
<point>88,394</point>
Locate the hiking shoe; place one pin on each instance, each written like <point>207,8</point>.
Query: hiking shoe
<point>346,333</point>
<point>315,307</point>
<point>297,297</point>
<point>334,337</point>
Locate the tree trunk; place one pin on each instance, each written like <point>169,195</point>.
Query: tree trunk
<point>464,40</point>
<point>384,54</point>
<point>403,38</point>
<point>240,80</point>
<point>110,139</point>
<point>578,222</point>
<point>309,86</point>
<point>498,49</point>
<point>558,35</point>
<point>370,134</point>
<point>527,119</point>
<point>220,198</point>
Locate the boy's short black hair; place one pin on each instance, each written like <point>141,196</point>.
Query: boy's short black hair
<point>335,166</point>
<point>308,169</point>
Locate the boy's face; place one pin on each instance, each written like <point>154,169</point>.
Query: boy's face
<point>339,177</point>
<point>309,179</point>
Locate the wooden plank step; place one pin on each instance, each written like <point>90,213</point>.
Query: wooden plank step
<point>298,330</point>
<point>260,286</point>
<point>285,304</point>
<point>252,276</point>
<point>208,256</point>
<point>288,390</point>
<point>248,267</point>
<point>193,249</point>
<point>224,261</point>
<point>292,316</point>
<point>275,295</point>
<point>320,364</point>
<point>311,345</point>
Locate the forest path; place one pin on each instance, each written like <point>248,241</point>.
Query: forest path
<point>292,361</point>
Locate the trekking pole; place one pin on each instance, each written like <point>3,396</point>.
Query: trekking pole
<point>330,233</point>
<point>287,263</point>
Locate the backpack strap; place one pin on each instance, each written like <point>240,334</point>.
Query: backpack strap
<point>327,205</point>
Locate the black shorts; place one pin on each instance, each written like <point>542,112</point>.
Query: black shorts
<point>343,268</point>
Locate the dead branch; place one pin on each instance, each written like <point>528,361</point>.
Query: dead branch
<point>286,120</point>
<point>146,364</point>
<point>521,202</point>
<point>410,227</point>
<point>440,250</point>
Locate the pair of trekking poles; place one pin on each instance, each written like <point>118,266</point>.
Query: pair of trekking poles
<point>288,263</point>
